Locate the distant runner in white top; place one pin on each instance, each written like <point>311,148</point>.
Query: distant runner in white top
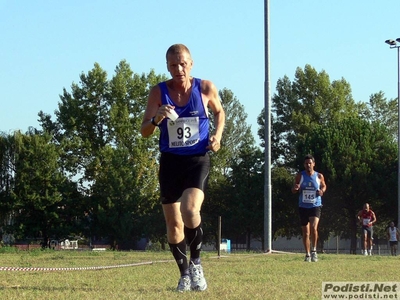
<point>393,237</point>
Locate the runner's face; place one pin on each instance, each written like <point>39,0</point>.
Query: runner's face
<point>179,66</point>
<point>309,165</point>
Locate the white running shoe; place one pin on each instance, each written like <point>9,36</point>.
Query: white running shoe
<point>197,277</point>
<point>307,258</point>
<point>183,284</point>
<point>314,256</point>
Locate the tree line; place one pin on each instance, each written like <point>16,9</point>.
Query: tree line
<point>87,171</point>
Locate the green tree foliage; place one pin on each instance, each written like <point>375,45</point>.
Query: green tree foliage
<point>285,220</point>
<point>299,106</point>
<point>381,110</point>
<point>36,195</point>
<point>313,114</point>
<point>7,172</point>
<point>237,150</point>
<point>37,200</point>
<point>237,134</point>
<point>117,206</point>
<point>98,124</point>
<point>89,172</point>
<point>245,212</point>
<point>358,160</point>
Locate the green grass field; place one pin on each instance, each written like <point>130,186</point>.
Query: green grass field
<point>232,276</point>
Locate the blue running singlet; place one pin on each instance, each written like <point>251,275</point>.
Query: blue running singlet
<point>189,134</point>
<point>308,197</point>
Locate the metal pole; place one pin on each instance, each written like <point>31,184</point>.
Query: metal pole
<point>219,236</point>
<point>267,137</point>
<point>398,136</point>
<point>337,244</point>
<point>393,45</point>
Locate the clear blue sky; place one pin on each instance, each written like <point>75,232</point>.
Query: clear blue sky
<point>45,46</point>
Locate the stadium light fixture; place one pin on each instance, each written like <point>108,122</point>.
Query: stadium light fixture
<point>391,42</point>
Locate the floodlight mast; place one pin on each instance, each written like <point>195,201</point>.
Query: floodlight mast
<point>267,137</point>
<point>393,45</point>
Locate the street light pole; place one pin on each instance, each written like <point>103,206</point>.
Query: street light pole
<point>393,45</point>
<point>267,135</point>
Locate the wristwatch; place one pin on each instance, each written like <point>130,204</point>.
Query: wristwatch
<point>154,122</point>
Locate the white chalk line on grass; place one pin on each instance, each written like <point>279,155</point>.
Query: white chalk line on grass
<point>34,269</point>
<point>30,269</point>
<point>27,269</point>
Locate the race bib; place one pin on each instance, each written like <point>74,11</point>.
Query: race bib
<point>309,196</point>
<point>366,222</point>
<point>183,132</point>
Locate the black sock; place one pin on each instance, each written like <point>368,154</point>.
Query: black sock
<point>194,238</point>
<point>179,253</point>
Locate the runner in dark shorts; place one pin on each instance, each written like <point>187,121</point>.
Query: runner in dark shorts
<point>180,109</point>
<point>310,185</point>
<point>393,236</point>
<point>367,218</point>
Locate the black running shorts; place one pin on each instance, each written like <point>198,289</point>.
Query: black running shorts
<point>307,213</point>
<point>180,172</point>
